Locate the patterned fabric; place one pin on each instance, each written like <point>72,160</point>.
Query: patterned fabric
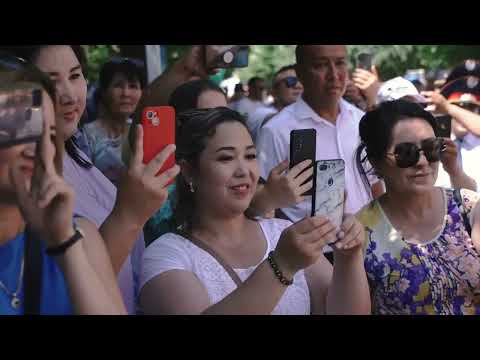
<point>163,221</point>
<point>106,151</point>
<point>441,276</point>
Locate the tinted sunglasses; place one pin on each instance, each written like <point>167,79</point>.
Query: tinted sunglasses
<point>124,60</point>
<point>290,81</point>
<point>12,62</point>
<point>408,154</point>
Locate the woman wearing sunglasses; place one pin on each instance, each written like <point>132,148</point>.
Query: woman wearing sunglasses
<point>120,88</point>
<point>420,257</point>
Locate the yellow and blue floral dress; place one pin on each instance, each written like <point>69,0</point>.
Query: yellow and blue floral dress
<point>441,276</point>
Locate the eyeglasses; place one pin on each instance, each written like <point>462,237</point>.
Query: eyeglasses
<point>124,60</point>
<point>12,62</point>
<point>290,81</point>
<point>408,154</point>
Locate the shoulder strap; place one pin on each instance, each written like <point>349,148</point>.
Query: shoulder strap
<point>236,279</point>
<point>32,281</point>
<point>457,195</point>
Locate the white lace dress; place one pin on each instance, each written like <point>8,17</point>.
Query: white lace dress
<point>174,252</point>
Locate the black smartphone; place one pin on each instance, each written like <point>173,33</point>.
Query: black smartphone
<point>21,117</point>
<point>303,145</point>
<point>365,61</point>
<point>329,188</point>
<point>226,56</point>
<point>444,128</point>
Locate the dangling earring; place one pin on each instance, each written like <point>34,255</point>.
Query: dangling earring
<point>192,190</point>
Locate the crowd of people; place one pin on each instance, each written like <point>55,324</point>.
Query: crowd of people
<point>87,227</point>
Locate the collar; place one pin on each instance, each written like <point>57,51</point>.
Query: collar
<point>304,111</point>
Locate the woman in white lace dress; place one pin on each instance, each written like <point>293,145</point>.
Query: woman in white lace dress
<point>221,261</point>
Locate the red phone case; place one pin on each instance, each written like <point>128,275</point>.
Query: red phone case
<point>158,132</point>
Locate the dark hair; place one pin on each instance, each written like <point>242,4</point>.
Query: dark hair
<point>131,69</point>
<point>300,54</point>
<point>31,53</point>
<point>198,126</point>
<point>376,128</point>
<point>254,80</point>
<point>185,97</point>
<point>283,69</point>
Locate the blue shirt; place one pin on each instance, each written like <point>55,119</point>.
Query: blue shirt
<point>55,299</point>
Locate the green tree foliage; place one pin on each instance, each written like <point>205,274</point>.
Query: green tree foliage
<point>97,55</point>
<point>391,60</point>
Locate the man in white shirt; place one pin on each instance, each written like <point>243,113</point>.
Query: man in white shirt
<point>255,100</point>
<point>286,89</point>
<point>323,71</point>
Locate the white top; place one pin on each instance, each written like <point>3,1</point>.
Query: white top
<point>246,107</point>
<point>174,252</point>
<point>256,119</point>
<point>338,141</point>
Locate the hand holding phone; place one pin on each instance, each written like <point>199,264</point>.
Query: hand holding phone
<point>226,56</point>
<point>158,132</point>
<point>329,188</point>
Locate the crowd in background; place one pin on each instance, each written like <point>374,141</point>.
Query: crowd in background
<point>233,234</point>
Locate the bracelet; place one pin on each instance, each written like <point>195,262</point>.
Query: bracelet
<point>278,273</point>
<point>60,249</point>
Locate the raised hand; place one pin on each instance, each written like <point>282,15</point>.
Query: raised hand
<point>141,193</point>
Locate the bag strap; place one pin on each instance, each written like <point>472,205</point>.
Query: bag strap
<point>236,279</point>
<point>32,281</point>
<point>457,195</point>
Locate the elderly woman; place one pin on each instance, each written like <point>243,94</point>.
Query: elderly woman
<point>422,256</point>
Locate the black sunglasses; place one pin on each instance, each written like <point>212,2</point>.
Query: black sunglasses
<point>290,81</point>
<point>124,60</point>
<point>12,62</point>
<point>408,154</point>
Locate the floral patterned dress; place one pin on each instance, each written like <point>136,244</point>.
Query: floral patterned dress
<point>441,276</point>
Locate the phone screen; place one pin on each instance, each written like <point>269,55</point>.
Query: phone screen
<point>21,117</point>
<point>329,188</point>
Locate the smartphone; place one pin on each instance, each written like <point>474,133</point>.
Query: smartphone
<point>158,132</point>
<point>226,56</point>
<point>329,187</point>
<point>444,128</point>
<point>21,116</point>
<point>365,61</point>
<point>303,147</point>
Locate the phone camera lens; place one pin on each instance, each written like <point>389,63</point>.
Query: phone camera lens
<point>150,115</point>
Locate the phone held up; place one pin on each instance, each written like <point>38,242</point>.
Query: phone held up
<point>226,56</point>
<point>21,116</point>
<point>444,128</point>
<point>303,147</point>
<point>329,187</point>
<point>365,61</point>
<point>158,132</point>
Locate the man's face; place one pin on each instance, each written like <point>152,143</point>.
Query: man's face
<point>286,89</point>
<point>258,91</point>
<point>324,72</point>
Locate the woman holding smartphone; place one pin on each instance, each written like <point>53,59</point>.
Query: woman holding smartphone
<point>74,272</point>
<point>120,216</point>
<point>223,261</point>
<point>423,242</point>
